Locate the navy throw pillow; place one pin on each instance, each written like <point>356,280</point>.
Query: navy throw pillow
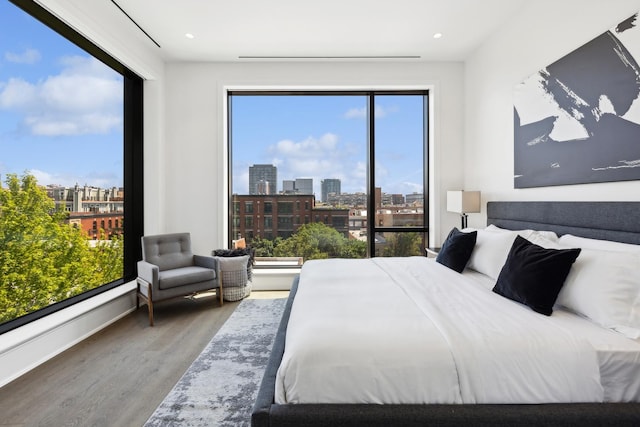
<point>533,275</point>
<point>456,249</point>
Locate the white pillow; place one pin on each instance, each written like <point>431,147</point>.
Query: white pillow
<point>490,252</point>
<point>605,287</point>
<point>545,242</point>
<point>604,245</point>
<point>525,233</point>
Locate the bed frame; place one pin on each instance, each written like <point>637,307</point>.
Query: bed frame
<point>617,221</point>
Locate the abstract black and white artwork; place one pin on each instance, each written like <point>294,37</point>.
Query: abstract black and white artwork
<point>578,120</point>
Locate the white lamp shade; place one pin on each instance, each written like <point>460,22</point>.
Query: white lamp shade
<point>463,201</point>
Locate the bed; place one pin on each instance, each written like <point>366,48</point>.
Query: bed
<point>596,402</point>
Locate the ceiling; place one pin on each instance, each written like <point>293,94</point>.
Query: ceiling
<point>249,30</point>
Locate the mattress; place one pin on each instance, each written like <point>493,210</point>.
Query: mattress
<point>618,356</point>
<point>372,331</point>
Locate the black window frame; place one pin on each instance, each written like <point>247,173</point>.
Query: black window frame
<point>372,228</point>
<point>133,137</point>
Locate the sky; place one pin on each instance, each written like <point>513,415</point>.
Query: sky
<point>325,136</point>
<point>61,115</point>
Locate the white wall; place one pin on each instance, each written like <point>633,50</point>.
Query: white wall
<point>543,32</point>
<point>195,168</point>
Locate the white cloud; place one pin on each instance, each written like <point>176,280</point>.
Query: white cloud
<point>356,113</point>
<point>309,147</point>
<point>29,56</point>
<point>17,94</point>
<point>84,98</point>
<point>102,180</point>
<point>361,113</point>
<point>412,187</point>
<point>80,125</point>
<point>317,158</point>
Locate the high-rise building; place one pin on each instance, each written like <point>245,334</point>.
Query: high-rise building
<point>415,198</point>
<point>299,186</point>
<point>263,179</point>
<point>397,199</point>
<point>288,186</point>
<point>329,186</point>
<point>304,186</point>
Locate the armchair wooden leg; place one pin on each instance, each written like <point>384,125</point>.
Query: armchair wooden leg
<point>147,298</point>
<point>150,305</point>
<point>220,296</point>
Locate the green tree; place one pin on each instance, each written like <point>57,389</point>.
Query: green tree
<point>108,258</point>
<point>353,248</point>
<point>44,260</point>
<point>264,247</point>
<point>319,241</point>
<point>402,244</point>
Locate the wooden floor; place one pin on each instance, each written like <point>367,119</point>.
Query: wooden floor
<point>118,376</point>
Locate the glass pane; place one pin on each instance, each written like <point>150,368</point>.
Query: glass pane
<point>301,162</point>
<point>399,160</point>
<point>408,243</point>
<point>61,195</point>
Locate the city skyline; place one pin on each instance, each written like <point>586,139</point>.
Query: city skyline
<point>61,116</point>
<point>282,189</point>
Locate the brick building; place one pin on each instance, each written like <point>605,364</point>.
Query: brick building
<point>271,216</point>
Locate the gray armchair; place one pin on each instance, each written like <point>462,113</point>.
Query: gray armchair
<point>169,269</point>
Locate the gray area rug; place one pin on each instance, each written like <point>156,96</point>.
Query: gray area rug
<point>221,385</point>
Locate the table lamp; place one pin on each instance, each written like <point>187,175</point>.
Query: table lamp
<point>463,202</point>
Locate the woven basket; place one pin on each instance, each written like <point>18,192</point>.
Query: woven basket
<point>236,293</point>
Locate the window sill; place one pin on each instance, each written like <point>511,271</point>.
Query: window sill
<point>24,348</point>
<point>274,279</point>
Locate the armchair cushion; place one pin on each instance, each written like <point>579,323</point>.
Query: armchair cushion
<point>184,276</point>
<point>168,251</point>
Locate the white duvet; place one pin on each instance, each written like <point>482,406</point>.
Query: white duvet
<point>409,330</point>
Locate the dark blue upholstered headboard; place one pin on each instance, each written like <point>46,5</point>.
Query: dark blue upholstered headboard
<point>617,221</point>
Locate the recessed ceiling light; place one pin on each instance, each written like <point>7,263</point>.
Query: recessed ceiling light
<point>189,35</point>
<point>437,35</point>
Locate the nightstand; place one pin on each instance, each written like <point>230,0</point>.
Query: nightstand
<point>432,252</point>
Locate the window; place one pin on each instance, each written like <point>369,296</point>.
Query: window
<point>355,160</point>
<point>400,216</point>
<point>285,223</point>
<point>339,222</point>
<point>285,207</point>
<point>60,92</point>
